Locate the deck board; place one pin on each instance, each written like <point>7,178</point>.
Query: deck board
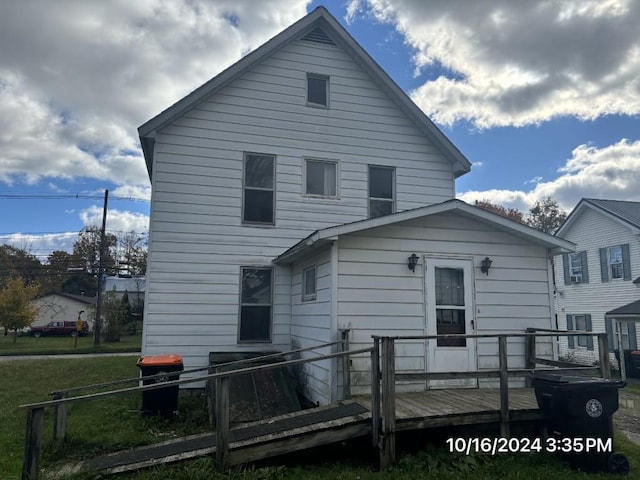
<point>320,426</point>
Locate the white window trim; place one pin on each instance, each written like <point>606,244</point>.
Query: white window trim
<point>610,265</point>
<point>580,340</point>
<point>308,297</point>
<point>244,187</point>
<point>304,178</point>
<point>392,200</point>
<point>319,76</point>
<point>571,272</point>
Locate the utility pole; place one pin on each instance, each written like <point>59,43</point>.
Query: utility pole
<point>97,330</point>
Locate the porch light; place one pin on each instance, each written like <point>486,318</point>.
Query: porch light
<point>413,261</point>
<point>486,265</point>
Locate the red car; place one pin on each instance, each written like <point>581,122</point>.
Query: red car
<point>61,328</point>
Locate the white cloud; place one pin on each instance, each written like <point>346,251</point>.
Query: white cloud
<point>117,220</point>
<point>516,63</point>
<point>78,78</point>
<point>41,245</point>
<point>610,172</point>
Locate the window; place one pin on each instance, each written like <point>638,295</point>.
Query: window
<point>317,90</point>
<point>615,263</point>
<point>581,323</point>
<point>616,270</point>
<point>309,284</point>
<point>575,268</point>
<point>255,304</point>
<point>258,189</point>
<point>381,191</point>
<point>321,178</point>
<point>450,308</point>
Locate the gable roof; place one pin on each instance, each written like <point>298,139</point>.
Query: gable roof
<point>326,235</point>
<point>319,25</point>
<point>77,298</point>
<point>630,310</point>
<point>624,212</point>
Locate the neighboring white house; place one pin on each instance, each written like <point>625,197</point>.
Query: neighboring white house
<point>288,193</point>
<point>600,282</point>
<point>58,306</point>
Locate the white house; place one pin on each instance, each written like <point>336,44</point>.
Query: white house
<point>289,192</point>
<point>59,306</point>
<point>600,282</point>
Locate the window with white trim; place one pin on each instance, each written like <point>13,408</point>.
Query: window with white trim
<point>321,178</point>
<point>309,284</point>
<point>381,191</point>
<point>614,258</point>
<point>580,323</point>
<point>576,267</point>
<point>317,90</point>
<point>258,187</point>
<point>256,304</point>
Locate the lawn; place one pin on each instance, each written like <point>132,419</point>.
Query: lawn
<point>27,345</point>
<point>115,423</point>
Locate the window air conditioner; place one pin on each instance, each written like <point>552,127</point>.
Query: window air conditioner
<point>576,278</point>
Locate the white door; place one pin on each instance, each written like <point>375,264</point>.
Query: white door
<point>450,310</point>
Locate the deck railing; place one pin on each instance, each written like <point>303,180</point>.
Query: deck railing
<point>62,398</point>
<point>385,376</point>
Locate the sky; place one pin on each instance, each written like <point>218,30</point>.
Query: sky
<point>542,97</point>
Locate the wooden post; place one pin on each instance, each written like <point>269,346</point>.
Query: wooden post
<point>603,352</point>
<point>346,364</point>
<point>32,444</point>
<point>59,417</point>
<point>388,447</point>
<point>504,387</point>
<point>530,355</point>
<point>375,392</point>
<point>222,421</point>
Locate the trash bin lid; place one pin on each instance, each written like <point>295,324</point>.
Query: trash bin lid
<point>160,360</point>
<point>635,352</point>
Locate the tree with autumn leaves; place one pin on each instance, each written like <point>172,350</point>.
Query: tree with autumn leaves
<point>545,215</point>
<point>16,309</point>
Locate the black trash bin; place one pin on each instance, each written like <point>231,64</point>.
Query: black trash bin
<point>635,364</point>
<point>162,400</point>
<point>578,414</point>
<point>627,357</point>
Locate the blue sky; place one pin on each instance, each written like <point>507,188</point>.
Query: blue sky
<point>542,97</point>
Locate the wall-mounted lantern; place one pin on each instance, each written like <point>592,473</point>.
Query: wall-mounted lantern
<point>486,265</point>
<point>413,261</point>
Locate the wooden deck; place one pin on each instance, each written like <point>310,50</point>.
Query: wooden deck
<point>322,426</point>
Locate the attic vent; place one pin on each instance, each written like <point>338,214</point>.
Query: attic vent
<point>318,36</point>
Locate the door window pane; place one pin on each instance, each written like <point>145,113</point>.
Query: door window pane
<point>450,322</point>
<point>449,286</point>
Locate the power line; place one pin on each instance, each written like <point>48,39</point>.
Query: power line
<point>11,196</point>
<point>10,234</point>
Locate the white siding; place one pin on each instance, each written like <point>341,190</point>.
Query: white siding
<point>591,231</point>
<point>197,241</point>
<point>311,325</point>
<point>61,309</point>
<point>379,295</point>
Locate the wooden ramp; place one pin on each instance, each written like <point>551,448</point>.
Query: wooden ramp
<point>248,443</point>
<point>322,426</point>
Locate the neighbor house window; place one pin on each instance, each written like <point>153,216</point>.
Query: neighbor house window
<point>615,263</point>
<point>256,304</point>
<point>321,178</point>
<point>575,267</point>
<point>258,189</point>
<point>581,323</point>
<point>309,284</point>
<point>381,191</point>
<point>614,255</point>
<point>317,90</point>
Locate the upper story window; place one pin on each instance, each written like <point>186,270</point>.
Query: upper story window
<point>381,191</point>
<point>615,263</point>
<point>309,284</point>
<point>321,178</point>
<point>575,268</point>
<point>258,198</point>
<point>317,90</point>
<point>256,301</point>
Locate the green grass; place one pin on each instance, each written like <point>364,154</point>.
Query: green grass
<point>27,345</point>
<point>115,423</point>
